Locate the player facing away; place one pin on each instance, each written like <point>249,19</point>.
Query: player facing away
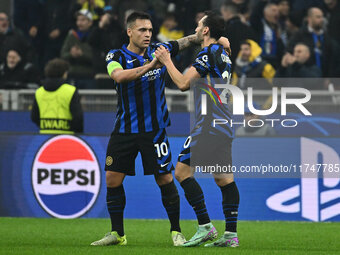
<point>140,123</point>
<point>211,63</point>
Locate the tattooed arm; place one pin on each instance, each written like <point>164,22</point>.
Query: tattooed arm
<point>187,41</point>
<point>190,40</point>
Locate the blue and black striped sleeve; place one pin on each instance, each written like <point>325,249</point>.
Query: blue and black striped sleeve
<point>201,63</point>
<point>172,47</point>
<point>113,61</point>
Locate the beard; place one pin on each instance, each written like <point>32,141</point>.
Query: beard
<point>317,27</point>
<point>199,36</point>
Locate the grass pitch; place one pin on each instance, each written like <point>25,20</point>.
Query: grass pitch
<point>55,236</point>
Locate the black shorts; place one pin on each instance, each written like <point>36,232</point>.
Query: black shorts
<point>154,147</point>
<point>206,150</point>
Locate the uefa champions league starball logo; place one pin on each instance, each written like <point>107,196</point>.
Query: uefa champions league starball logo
<point>65,177</point>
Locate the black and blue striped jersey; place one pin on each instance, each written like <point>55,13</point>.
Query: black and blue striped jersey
<point>214,65</point>
<point>141,103</point>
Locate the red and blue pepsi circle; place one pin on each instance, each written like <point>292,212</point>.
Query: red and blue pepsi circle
<point>66,177</point>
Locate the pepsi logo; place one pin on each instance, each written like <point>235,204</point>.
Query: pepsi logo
<point>66,177</point>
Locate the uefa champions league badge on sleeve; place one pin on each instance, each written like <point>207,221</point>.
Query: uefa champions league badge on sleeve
<point>66,177</point>
<point>109,56</point>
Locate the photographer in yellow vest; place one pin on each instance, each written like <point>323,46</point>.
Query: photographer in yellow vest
<point>56,108</point>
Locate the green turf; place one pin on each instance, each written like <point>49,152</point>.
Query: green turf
<point>54,236</point>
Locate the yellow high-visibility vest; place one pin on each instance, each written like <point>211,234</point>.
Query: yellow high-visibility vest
<point>54,109</point>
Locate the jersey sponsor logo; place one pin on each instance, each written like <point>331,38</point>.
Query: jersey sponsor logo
<point>66,177</point>
<point>314,197</point>
<point>109,56</point>
<point>153,74</point>
<point>130,61</point>
<point>225,59</point>
<point>201,63</point>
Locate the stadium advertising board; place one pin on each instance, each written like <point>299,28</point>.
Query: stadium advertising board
<point>65,177</point>
<point>42,177</point>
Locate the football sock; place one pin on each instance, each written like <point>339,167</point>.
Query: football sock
<point>170,199</point>
<point>195,197</point>
<point>115,200</point>
<point>230,202</point>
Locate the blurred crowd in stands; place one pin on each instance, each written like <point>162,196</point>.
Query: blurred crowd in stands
<point>269,39</point>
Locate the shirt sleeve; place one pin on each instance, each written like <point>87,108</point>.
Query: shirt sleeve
<point>35,115</point>
<point>172,47</point>
<point>202,63</point>
<point>112,61</point>
<point>77,123</point>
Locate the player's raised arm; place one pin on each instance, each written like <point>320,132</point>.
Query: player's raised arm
<point>187,41</point>
<point>182,81</point>
<point>190,40</point>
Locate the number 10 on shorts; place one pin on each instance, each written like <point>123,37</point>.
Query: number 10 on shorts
<point>162,149</point>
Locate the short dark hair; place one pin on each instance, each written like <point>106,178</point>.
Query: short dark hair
<point>306,45</point>
<point>215,24</point>
<point>245,42</point>
<point>56,68</point>
<point>136,15</point>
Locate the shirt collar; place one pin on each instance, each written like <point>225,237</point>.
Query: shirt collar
<point>311,30</point>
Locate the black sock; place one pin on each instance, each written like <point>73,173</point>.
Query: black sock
<point>170,199</point>
<point>115,201</point>
<point>195,197</point>
<point>230,202</point>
